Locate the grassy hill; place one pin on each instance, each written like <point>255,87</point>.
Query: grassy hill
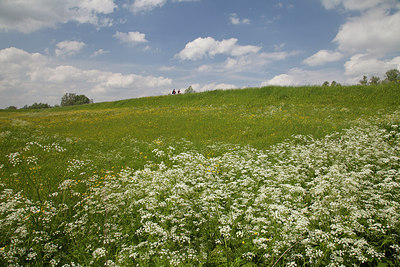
<point>258,116</point>
<point>257,176</point>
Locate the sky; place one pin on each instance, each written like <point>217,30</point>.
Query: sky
<point>118,49</point>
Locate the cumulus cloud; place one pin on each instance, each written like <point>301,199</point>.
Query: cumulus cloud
<point>281,80</point>
<point>68,48</point>
<point>99,52</point>
<point>361,64</point>
<point>203,47</point>
<point>36,77</point>
<point>27,16</point>
<point>250,62</point>
<point>130,37</point>
<point>369,38</point>
<point>185,1</point>
<point>146,5</point>
<point>298,76</point>
<point>235,20</point>
<point>376,31</point>
<point>354,5</point>
<point>322,57</point>
<point>212,86</point>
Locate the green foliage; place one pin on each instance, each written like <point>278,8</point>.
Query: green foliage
<point>37,106</point>
<point>254,177</point>
<point>11,108</point>
<point>393,76</point>
<point>374,80</point>
<point>304,201</point>
<point>70,99</point>
<point>364,80</point>
<point>189,90</point>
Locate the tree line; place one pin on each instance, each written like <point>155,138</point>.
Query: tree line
<point>391,76</point>
<point>69,99</point>
<point>72,99</point>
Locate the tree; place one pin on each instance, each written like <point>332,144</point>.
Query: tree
<point>374,80</point>
<point>37,106</point>
<point>364,80</point>
<point>81,99</point>
<point>70,99</point>
<point>326,83</point>
<point>11,108</point>
<point>189,90</point>
<point>393,76</point>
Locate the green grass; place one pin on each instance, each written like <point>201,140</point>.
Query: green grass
<point>235,153</point>
<point>258,117</point>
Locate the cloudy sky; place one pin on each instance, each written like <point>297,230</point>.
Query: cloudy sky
<point>118,49</point>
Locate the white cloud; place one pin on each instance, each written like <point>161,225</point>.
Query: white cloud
<point>179,1</point>
<point>33,77</point>
<point>322,57</point>
<point>167,68</point>
<point>281,80</point>
<point>130,37</point>
<point>68,48</point>
<point>146,5</point>
<point>376,31</point>
<point>371,38</point>
<point>250,62</point>
<point>27,16</point>
<point>355,5</point>
<point>235,20</point>
<point>99,52</point>
<point>212,86</point>
<point>202,47</point>
<point>297,76</point>
<point>364,64</point>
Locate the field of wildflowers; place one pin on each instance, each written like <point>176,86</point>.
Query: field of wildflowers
<point>67,199</point>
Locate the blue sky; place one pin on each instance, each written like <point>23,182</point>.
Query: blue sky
<point>110,50</point>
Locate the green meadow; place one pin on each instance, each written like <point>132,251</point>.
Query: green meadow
<point>273,176</point>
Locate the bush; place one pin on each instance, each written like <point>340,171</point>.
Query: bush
<point>70,99</point>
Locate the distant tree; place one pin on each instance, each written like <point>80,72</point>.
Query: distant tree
<point>81,99</point>
<point>326,83</point>
<point>333,83</point>
<point>393,76</point>
<point>11,108</point>
<point>37,106</point>
<point>364,80</point>
<point>70,99</point>
<point>189,90</point>
<point>374,80</point>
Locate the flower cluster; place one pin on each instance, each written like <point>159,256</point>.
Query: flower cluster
<point>53,147</point>
<point>331,201</point>
<point>14,158</point>
<point>76,164</point>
